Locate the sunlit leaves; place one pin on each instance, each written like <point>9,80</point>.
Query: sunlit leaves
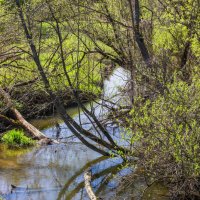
<point>169,126</point>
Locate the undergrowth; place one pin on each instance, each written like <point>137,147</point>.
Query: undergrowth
<point>16,138</point>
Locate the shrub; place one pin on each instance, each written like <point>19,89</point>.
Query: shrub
<point>16,138</point>
<point>167,131</point>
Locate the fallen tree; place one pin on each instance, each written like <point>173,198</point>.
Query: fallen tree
<point>19,120</point>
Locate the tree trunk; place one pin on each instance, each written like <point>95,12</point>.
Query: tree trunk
<point>139,38</point>
<point>88,187</point>
<point>35,133</point>
<point>101,146</point>
<point>20,121</point>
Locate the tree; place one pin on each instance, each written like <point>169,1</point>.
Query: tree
<point>105,31</point>
<point>67,43</point>
<point>20,121</point>
<point>74,127</point>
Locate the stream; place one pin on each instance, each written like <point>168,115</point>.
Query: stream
<point>56,171</point>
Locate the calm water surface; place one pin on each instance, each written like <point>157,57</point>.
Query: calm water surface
<point>56,171</point>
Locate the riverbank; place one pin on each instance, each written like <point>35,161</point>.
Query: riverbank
<point>33,102</point>
<point>37,104</point>
<point>59,167</point>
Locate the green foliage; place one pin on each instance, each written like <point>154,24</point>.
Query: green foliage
<point>88,73</point>
<point>16,138</point>
<point>168,129</point>
<point>175,25</point>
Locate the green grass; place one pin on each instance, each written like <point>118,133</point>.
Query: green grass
<point>89,74</point>
<point>16,138</point>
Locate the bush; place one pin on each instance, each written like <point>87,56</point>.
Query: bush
<point>167,133</point>
<point>16,138</point>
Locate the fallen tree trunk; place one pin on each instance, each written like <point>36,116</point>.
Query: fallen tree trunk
<point>19,121</point>
<point>35,133</point>
<point>88,187</point>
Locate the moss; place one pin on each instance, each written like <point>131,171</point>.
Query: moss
<point>16,138</point>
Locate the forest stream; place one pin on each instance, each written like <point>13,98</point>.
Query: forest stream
<point>56,171</point>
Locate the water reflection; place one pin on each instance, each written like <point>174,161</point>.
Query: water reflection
<point>41,173</point>
<point>103,170</point>
<point>56,172</point>
<point>111,97</point>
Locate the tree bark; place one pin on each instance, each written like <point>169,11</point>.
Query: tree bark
<point>139,38</point>
<point>88,187</point>
<point>35,133</point>
<point>20,121</point>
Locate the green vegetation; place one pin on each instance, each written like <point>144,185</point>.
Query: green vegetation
<point>171,120</point>
<point>167,131</point>
<point>63,55</point>
<point>16,138</point>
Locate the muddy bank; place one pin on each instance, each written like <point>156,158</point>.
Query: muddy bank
<point>36,104</point>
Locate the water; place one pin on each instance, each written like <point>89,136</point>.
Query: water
<point>56,171</point>
<point>42,173</point>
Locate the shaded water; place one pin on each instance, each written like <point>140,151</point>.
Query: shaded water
<point>56,171</point>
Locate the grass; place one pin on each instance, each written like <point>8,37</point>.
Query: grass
<point>88,72</point>
<point>16,138</point>
<point>85,77</point>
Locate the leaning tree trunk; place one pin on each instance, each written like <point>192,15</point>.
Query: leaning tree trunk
<point>27,126</point>
<point>101,146</point>
<point>20,121</point>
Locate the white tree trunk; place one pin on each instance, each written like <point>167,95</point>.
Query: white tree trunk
<point>88,187</point>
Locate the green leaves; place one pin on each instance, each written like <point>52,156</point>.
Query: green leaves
<point>169,127</point>
<point>16,138</point>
